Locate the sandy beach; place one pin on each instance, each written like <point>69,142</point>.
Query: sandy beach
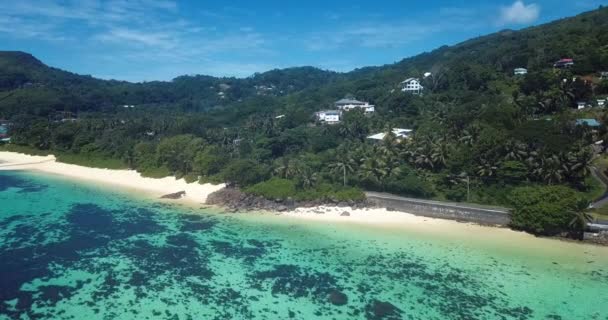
<point>196,194</point>
<point>130,179</point>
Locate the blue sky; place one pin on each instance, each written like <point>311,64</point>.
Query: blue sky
<point>144,40</point>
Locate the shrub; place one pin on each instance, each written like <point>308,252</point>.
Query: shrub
<point>542,209</point>
<point>244,173</point>
<point>274,188</point>
<point>409,185</point>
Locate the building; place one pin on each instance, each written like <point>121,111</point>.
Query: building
<point>564,63</point>
<point>329,116</point>
<point>352,104</point>
<point>399,133</point>
<point>601,103</point>
<point>412,85</point>
<point>604,75</point>
<point>520,71</point>
<point>588,122</point>
<point>581,105</point>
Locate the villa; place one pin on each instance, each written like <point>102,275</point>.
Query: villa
<point>564,63</point>
<point>352,104</point>
<point>581,105</point>
<point>329,116</point>
<point>399,134</point>
<point>601,103</point>
<point>520,71</point>
<point>412,85</point>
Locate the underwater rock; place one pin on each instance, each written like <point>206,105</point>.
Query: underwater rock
<point>338,298</point>
<point>382,310</point>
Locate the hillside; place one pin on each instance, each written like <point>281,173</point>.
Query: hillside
<point>469,65</point>
<point>480,133</point>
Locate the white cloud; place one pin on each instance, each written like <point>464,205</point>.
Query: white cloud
<point>519,13</point>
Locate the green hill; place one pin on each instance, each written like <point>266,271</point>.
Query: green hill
<point>475,121</point>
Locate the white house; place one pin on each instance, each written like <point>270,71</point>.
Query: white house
<point>412,85</point>
<point>601,103</point>
<point>399,133</point>
<point>427,74</point>
<point>329,116</point>
<point>520,71</point>
<point>604,75</point>
<point>581,105</point>
<point>351,104</point>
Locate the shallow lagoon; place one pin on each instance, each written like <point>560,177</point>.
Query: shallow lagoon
<point>75,251</point>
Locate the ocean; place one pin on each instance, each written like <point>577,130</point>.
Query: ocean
<point>74,250</point>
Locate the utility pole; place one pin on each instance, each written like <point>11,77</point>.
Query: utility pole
<point>344,168</point>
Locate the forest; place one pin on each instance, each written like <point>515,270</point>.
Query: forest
<point>481,133</point>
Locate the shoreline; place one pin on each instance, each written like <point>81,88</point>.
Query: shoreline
<point>196,194</point>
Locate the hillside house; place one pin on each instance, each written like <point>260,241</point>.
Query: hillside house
<point>520,71</point>
<point>412,85</point>
<point>564,63</point>
<point>601,103</point>
<point>604,75</point>
<point>329,116</point>
<point>398,132</point>
<point>581,105</point>
<point>352,104</point>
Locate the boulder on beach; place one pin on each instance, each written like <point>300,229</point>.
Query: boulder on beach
<point>345,214</point>
<point>174,196</point>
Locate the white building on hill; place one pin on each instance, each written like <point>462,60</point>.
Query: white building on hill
<point>352,104</point>
<point>520,71</point>
<point>412,85</point>
<point>329,116</point>
<point>399,133</point>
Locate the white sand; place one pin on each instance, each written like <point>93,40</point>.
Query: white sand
<point>195,193</point>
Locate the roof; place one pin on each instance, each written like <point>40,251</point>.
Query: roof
<point>400,133</point>
<point>520,69</point>
<point>588,122</point>
<point>566,60</point>
<point>330,112</point>
<point>349,101</point>
<point>409,80</point>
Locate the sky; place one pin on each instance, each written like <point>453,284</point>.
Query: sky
<point>146,40</point>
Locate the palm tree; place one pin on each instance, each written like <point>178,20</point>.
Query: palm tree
<point>343,165</point>
<point>308,178</point>
<point>373,168</point>
<point>580,216</point>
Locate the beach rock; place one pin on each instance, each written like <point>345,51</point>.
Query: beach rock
<point>337,298</point>
<point>382,310</point>
<point>235,200</point>
<point>174,196</point>
<point>345,214</point>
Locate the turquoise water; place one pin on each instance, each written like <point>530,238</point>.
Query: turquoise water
<point>74,251</point>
